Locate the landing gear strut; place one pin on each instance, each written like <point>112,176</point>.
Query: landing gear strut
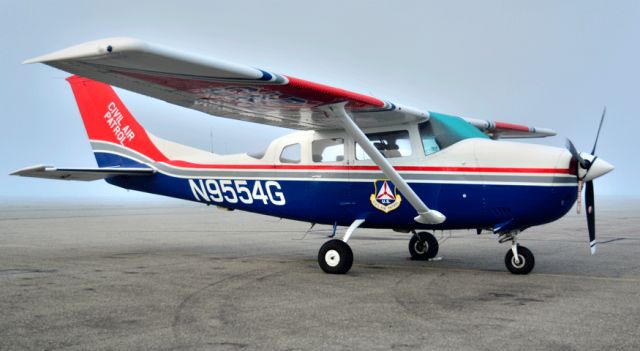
<point>423,246</point>
<point>335,256</point>
<point>519,259</point>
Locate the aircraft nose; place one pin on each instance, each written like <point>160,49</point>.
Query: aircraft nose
<point>598,168</point>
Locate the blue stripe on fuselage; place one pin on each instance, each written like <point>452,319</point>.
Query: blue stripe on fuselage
<point>106,159</point>
<point>327,202</point>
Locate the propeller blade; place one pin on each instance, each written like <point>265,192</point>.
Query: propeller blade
<point>576,155</point>
<point>604,111</point>
<point>591,216</point>
<point>572,149</point>
<point>574,152</point>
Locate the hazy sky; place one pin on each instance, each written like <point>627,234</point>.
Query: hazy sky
<point>551,64</point>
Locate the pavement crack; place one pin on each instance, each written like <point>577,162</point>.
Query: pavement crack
<point>612,240</point>
<point>177,317</point>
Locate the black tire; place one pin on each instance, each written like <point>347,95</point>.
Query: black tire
<point>527,261</point>
<point>335,257</point>
<point>423,246</point>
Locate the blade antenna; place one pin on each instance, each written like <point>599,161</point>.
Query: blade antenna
<point>604,111</point>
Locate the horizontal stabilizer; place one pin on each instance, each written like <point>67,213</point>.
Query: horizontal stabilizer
<point>84,174</point>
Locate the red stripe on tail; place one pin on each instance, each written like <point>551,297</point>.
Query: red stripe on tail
<point>106,118</point>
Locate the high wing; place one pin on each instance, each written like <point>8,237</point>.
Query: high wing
<point>84,174</point>
<point>238,92</point>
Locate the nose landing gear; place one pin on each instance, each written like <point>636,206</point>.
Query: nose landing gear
<point>519,259</point>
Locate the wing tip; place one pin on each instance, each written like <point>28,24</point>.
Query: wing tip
<point>96,48</point>
<point>545,132</point>
<point>31,60</point>
<point>34,168</point>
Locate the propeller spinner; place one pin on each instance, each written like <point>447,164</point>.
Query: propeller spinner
<point>589,168</point>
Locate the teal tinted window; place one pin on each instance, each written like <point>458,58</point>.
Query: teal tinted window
<point>442,131</point>
<point>430,145</point>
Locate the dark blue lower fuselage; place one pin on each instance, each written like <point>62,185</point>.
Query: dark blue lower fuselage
<point>328,202</point>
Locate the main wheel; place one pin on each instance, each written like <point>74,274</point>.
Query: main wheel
<point>335,257</point>
<point>525,264</point>
<point>423,246</point>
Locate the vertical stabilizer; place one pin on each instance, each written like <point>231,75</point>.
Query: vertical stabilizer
<point>109,123</point>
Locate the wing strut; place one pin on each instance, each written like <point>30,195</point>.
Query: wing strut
<point>425,215</point>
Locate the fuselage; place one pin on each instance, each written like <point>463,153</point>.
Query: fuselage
<point>475,182</point>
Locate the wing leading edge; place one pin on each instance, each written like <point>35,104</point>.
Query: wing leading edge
<point>234,91</point>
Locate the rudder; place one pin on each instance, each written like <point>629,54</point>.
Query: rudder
<point>108,121</point>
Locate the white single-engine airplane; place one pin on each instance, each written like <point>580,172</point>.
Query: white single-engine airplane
<point>358,161</point>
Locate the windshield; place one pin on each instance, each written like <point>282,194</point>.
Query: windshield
<point>442,131</point>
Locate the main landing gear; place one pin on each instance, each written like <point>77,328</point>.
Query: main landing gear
<point>519,259</point>
<point>335,256</point>
<point>423,246</point>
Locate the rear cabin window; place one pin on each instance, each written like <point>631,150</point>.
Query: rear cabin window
<point>290,154</point>
<point>390,144</point>
<point>328,150</point>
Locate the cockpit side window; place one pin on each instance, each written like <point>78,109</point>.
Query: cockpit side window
<point>390,144</point>
<point>328,150</point>
<point>429,142</point>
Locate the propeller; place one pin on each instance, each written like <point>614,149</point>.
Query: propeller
<point>585,163</point>
<point>595,143</point>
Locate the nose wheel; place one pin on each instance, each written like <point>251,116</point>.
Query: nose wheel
<point>524,262</point>
<point>423,246</point>
<point>519,260</point>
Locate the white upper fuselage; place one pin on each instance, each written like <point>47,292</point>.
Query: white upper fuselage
<point>476,155</point>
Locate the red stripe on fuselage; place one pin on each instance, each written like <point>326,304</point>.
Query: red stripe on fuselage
<point>185,164</point>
